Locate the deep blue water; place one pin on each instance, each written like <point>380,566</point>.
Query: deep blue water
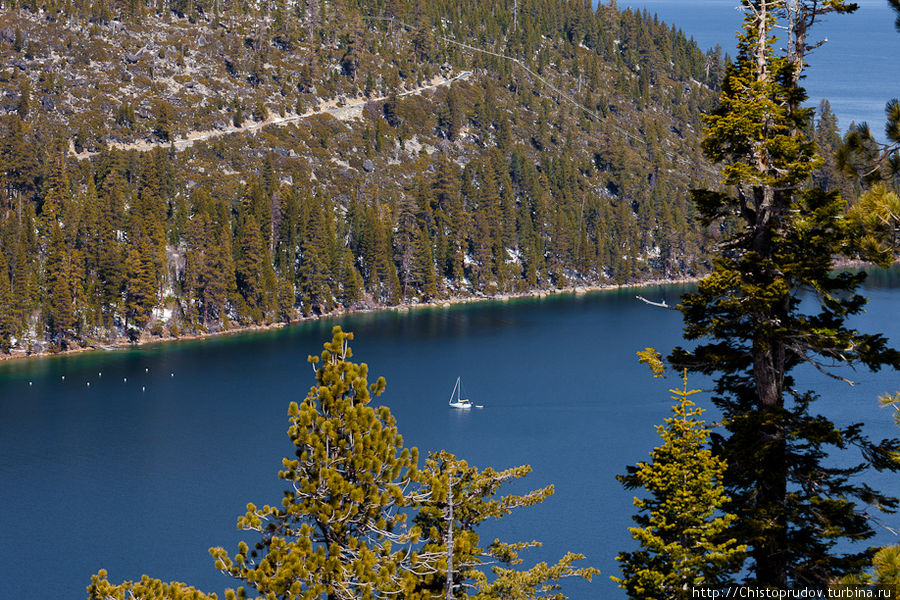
<point>108,476</point>
<point>856,70</point>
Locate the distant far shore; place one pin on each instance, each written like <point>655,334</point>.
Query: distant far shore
<point>147,338</point>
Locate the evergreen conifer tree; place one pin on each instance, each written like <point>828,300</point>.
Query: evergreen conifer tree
<point>457,498</point>
<point>7,312</point>
<point>58,271</point>
<point>424,266</point>
<point>57,199</point>
<point>223,286</point>
<point>313,270</point>
<point>331,537</point>
<point>110,251</point>
<point>407,248</point>
<point>683,529</point>
<point>18,158</point>
<point>24,278</point>
<point>341,530</point>
<point>351,281</point>
<point>145,589</point>
<point>792,509</point>
<point>249,265</point>
<point>140,282</point>
<point>199,269</point>
<point>449,220</point>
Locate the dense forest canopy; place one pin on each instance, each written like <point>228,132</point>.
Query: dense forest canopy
<point>437,150</point>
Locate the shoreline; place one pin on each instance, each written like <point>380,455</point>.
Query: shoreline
<point>440,303</point>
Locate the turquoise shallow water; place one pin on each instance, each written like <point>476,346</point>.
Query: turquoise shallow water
<point>109,476</point>
<point>856,70</point>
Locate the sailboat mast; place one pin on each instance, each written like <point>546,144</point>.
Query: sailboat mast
<point>455,387</point>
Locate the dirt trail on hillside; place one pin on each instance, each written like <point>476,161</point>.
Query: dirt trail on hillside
<point>352,108</point>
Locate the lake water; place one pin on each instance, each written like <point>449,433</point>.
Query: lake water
<point>857,69</point>
<point>110,476</point>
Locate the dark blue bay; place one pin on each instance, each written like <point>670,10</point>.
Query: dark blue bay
<point>108,476</point>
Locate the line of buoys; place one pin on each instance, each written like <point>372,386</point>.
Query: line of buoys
<point>100,374</point>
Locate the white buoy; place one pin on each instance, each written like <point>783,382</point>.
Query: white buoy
<point>89,384</point>
<point>99,374</point>
<point>143,388</point>
<point>125,379</point>
<point>171,374</point>
<point>147,370</point>
<point>29,383</point>
<point>63,377</point>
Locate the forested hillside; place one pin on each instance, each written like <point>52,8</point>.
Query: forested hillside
<point>184,167</point>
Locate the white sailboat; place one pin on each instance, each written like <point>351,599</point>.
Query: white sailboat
<point>456,399</point>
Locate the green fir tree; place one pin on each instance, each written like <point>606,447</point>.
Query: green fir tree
<point>332,534</point>
<point>780,237</point>
<point>683,525</point>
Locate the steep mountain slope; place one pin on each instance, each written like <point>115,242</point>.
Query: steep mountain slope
<point>190,166</point>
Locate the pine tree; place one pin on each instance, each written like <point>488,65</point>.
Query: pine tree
<point>386,268</point>
<point>59,293</point>
<point>486,238</point>
<point>682,530</point>
<point>140,282</point>
<point>313,271</point>
<point>351,281</point>
<point>456,499</point>
<point>199,269</point>
<point>18,158</point>
<point>791,508</point>
<point>7,312</point>
<point>341,532</point>
<point>877,216</point>
<point>109,248</point>
<point>887,568</point>
<point>450,116</point>
<point>249,256</point>
<point>331,536</point>
<point>828,142</point>
<point>23,106</point>
<point>57,199</point>
<point>288,235</point>
<point>24,272</point>
<point>425,263</point>
<point>222,287</point>
<point>376,249</point>
<point>287,297</point>
<point>407,248</point>
<point>147,218</point>
<point>145,589</point>
<point>449,220</point>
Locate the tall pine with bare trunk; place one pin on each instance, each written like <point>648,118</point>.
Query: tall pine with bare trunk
<point>793,505</point>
